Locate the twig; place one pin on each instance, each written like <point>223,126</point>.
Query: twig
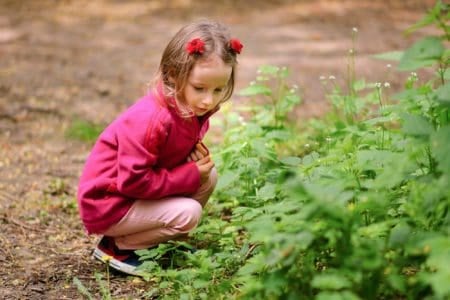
<point>25,226</point>
<point>41,110</point>
<point>250,250</point>
<point>9,117</point>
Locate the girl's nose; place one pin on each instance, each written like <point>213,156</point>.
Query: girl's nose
<point>208,100</point>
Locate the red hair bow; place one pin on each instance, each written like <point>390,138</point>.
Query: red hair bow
<point>236,46</point>
<point>195,46</point>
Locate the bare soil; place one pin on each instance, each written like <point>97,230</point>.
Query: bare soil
<point>66,60</point>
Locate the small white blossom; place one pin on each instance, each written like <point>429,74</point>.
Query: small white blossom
<point>413,74</point>
<point>351,51</point>
<point>378,84</point>
<point>355,29</point>
<point>295,86</point>
<point>242,121</point>
<point>307,146</point>
<point>322,77</point>
<point>387,85</point>
<point>388,65</point>
<point>331,77</point>
<point>292,91</point>
<point>328,139</point>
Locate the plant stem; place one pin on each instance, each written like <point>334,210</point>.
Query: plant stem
<point>108,281</point>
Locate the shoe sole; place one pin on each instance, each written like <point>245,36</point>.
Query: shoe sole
<point>114,263</point>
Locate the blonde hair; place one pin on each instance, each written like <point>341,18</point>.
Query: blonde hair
<point>176,63</point>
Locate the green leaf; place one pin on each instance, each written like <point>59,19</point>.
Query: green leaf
<point>311,158</point>
<point>440,146</point>
<point>226,179</point>
<point>383,119</point>
<point>416,125</point>
<point>84,130</point>
<point>439,281</point>
<point>443,94</point>
<point>291,160</point>
<point>359,85</point>
<point>423,53</point>
<point>255,89</point>
<point>82,289</point>
<point>200,284</point>
<point>399,235</point>
<point>267,192</point>
<point>268,69</point>
<point>431,17</point>
<point>280,135</point>
<point>392,55</point>
<point>330,282</point>
<point>344,295</point>
<point>375,159</point>
<point>398,282</point>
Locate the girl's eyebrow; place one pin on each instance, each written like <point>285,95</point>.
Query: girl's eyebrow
<point>201,84</point>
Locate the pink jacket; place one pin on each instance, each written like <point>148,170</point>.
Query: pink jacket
<point>140,155</point>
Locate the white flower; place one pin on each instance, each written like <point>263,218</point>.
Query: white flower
<point>322,77</point>
<point>295,87</point>
<point>387,85</point>
<point>413,74</point>
<point>328,139</point>
<point>355,29</point>
<point>388,65</point>
<point>378,84</point>
<point>292,91</point>
<point>307,146</point>
<point>351,51</point>
<point>331,77</point>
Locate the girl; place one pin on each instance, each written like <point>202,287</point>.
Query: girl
<point>149,175</point>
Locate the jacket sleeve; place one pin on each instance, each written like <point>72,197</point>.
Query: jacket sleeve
<point>137,154</point>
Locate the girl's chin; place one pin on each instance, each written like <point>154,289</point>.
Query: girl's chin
<point>200,112</point>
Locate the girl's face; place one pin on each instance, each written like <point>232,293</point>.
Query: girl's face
<point>206,82</point>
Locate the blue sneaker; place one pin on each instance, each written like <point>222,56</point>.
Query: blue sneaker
<point>125,261</point>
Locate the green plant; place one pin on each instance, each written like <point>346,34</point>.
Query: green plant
<point>84,131</point>
<point>366,214</point>
<point>354,205</point>
<point>104,285</point>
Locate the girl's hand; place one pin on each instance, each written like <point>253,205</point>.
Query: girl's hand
<point>204,165</point>
<point>198,153</point>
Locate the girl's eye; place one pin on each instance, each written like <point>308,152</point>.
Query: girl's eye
<point>218,91</point>
<point>198,89</point>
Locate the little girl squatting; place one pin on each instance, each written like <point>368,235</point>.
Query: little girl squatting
<point>149,175</point>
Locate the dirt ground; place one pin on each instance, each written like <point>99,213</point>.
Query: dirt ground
<point>66,60</point>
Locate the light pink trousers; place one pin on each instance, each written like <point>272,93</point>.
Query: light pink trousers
<point>150,222</point>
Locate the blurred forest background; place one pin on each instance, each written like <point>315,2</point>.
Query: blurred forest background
<point>68,61</point>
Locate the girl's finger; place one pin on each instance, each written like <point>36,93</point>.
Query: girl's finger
<point>203,160</point>
<point>202,148</point>
<point>199,154</point>
<point>194,156</point>
<point>210,165</point>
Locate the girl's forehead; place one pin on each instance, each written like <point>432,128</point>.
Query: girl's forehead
<point>210,60</point>
<point>212,70</point>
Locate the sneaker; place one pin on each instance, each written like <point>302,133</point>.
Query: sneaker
<point>125,261</point>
